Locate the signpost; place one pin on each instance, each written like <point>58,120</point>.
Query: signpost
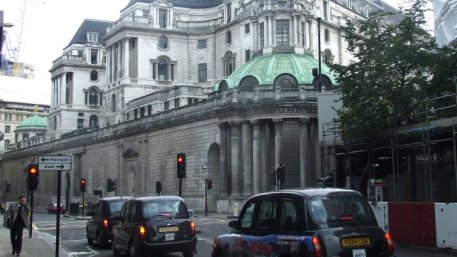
<point>57,163</point>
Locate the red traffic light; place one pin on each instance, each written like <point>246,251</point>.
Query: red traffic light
<point>180,159</point>
<point>83,181</point>
<point>33,170</point>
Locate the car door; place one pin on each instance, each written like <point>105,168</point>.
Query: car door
<point>92,223</point>
<point>120,234</point>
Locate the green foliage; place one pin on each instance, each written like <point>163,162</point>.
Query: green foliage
<point>394,63</point>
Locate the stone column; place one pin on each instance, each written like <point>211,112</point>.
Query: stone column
<point>278,141</point>
<point>270,31</point>
<point>223,159</point>
<point>126,58</point>
<point>247,157</point>
<point>63,89</point>
<point>304,152</point>
<point>119,60</point>
<point>235,157</point>
<point>263,157</point>
<point>257,184</point>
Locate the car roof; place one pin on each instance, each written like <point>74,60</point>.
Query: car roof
<point>310,192</point>
<point>159,198</point>
<point>116,198</point>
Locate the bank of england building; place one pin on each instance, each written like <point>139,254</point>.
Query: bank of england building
<point>228,83</point>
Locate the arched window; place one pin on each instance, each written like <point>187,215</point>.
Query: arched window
<point>286,82</point>
<point>248,83</point>
<point>93,96</point>
<point>229,63</point>
<point>163,69</point>
<point>93,121</point>
<point>328,57</point>
<point>113,103</point>
<point>163,42</point>
<point>93,75</point>
<point>222,86</point>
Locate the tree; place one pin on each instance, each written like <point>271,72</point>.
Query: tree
<point>394,63</point>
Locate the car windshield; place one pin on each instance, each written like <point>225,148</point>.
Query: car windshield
<point>115,207</point>
<point>341,210</point>
<point>165,209</point>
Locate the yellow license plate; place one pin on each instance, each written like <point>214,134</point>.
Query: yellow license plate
<point>168,229</point>
<point>355,242</point>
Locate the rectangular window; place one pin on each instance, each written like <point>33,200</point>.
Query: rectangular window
<point>202,71</point>
<point>229,12</point>
<point>154,75</point>
<point>142,112</point>
<point>163,18</point>
<point>262,35</point>
<point>189,101</point>
<point>282,33</point>
<point>92,37</point>
<point>166,105</point>
<point>80,114</point>
<point>177,103</point>
<point>247,28</point>
<point>7,144</point>
<point>94,56</point>
<point>247,55</point>
<point>149,109</point>
<point>135,114</point>
<point>201,44</point>
<point>325,10</point>
<point>80,123</point>
<point>7,129</point>
<point>228,37</point>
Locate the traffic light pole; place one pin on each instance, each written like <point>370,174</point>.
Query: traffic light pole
<point>31,213</point>
<point>180,187</point>
<point>83,204</point>
<point>59,187</point>
<point>206,197</point>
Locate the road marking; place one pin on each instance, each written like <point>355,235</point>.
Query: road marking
<point>208,241</point>
<point>74,240</point>
<point>34,227</point>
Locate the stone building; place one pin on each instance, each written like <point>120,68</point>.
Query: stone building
<point>228,83</point>
<point>444,12</point>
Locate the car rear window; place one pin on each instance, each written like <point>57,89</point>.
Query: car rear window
<point>341,210</point>
<point>115,207</point>
<point>172,208</point>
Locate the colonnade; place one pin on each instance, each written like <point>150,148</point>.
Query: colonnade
<point>251,149</point>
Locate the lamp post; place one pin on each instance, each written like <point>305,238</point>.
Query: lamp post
<point>319,49</point>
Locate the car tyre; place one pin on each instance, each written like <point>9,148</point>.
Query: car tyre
<point>116,252</point>
<point>188,254</point>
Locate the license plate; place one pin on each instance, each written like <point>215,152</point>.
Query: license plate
<point>355,242</point>
<point>169,237</point>
<point>359,253</point>
<point>168,229</point>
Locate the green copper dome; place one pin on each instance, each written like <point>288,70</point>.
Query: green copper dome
<point>267,68</point>
<point>33,123</point>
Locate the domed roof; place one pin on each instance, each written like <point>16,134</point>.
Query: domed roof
<point>33,123</point>
<point>267,68</point>
<point>182,3</point>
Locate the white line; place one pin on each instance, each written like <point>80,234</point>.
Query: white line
<point>73,240</point>
<point>92,250</point>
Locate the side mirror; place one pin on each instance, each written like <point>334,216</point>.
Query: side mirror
<point>234,224</point>
<point>191,213</point>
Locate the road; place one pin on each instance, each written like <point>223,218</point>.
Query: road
<point>73,238</point>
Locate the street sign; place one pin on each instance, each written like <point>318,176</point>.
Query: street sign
<point>61,159</point>
<point>54,162</point>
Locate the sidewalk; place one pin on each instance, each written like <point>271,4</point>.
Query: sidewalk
<point>41,244</point>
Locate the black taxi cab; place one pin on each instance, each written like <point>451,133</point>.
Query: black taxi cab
<point>306,222</point>
<point>150,226</point>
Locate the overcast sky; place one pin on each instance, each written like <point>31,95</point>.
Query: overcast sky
<point>47,27</point>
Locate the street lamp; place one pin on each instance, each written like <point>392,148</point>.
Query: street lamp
<point>319,48</point>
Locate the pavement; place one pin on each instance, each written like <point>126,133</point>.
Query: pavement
<point>40,244</point>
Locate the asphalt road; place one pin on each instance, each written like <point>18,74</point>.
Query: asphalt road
<point>73,238</point>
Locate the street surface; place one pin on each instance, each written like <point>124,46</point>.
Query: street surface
<point>73,238</point>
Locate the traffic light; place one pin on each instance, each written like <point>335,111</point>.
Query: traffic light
<point>110,185</point>
<point>181,165</point>
<point>158,187</point>
<point>209,183</point>
<point>273,179</point>
<point>82,183</point>
<point>33,174</point>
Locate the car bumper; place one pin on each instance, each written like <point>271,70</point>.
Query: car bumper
<point>174,246</point>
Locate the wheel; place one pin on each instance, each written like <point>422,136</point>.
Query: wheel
<point>116,252</point>
<point>134,251</point>
<point>188,254</point>
<point>90,241</point>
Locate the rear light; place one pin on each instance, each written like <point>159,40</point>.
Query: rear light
<point>390,243</point>
<point>105,223</point>
<point>317,246</point>
<point>142,232</point>
<point>192,228</point>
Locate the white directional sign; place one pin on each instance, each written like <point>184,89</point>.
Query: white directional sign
<point>54,162</point>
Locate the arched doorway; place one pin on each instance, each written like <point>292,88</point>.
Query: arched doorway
<point>213,174</point>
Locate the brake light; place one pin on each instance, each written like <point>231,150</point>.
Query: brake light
<point>192,228</point>
<point>390,243</point>
<point>142,232</point>
<point>317,247</point>
<point>105,223</point>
